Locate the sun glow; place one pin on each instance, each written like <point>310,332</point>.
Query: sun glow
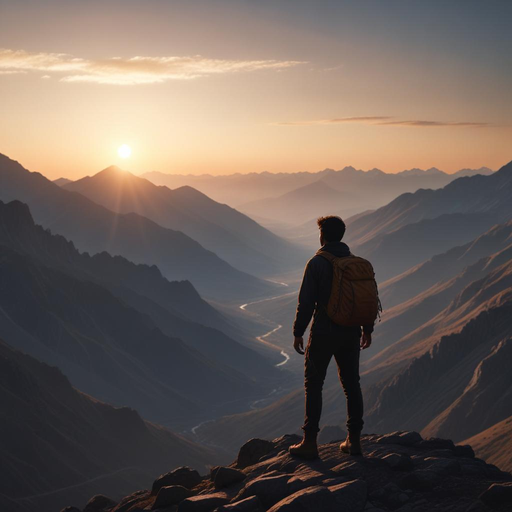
<point>124,151</point>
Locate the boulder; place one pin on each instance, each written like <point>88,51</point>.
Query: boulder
<point>270,489</point>
<point>498,495</point>
<point>350,469</point>
<point>99,503</point>
<point>464,450</point>
<point>252,451</point>
<point>130,501</point>
<point>443,466</point>
<point>398,462</point>
<point>203,502</point>
<point>171,495</point>
<point>70,509</point>
<point>400,438</point>
<point>312,499</point>
<point>251,504</point>
<point>183,476</point>
<point>434,443</point>
<point>224,477</point>
<point>350,496</point>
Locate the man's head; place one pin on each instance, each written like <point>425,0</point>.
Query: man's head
<point>332,229</point>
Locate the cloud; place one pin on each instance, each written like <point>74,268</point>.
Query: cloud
<point>385,121</point>
<point>133,70</point>
<point>341,120</point>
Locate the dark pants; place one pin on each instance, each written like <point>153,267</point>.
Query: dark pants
<point>319,352</point>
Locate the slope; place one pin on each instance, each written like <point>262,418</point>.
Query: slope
<point>64,446</point>
<point>93,228</point>
<point>230,234</point>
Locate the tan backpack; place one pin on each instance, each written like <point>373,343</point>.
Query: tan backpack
<point>354,299</point>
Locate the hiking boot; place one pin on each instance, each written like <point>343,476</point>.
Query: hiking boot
<point>352,445</point>
<point>306,449</point>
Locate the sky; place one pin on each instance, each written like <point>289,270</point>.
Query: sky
<point>224,86</point>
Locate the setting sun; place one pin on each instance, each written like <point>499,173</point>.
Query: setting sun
<point>124,151</point>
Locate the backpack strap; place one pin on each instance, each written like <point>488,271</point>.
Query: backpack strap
<point>327,255</point>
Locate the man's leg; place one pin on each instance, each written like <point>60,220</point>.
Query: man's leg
<point>347,359</point>
<point>316,360</point>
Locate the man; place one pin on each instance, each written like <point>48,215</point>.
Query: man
<point>328,339</point>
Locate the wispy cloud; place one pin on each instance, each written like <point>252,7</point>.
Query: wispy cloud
<point>385,121</point>
<point>130,71</point>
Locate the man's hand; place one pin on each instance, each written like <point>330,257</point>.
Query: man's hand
<point>298,344</point>
<point>366,340</point>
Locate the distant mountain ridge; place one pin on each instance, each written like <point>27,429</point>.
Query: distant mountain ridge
<point>95,229</point>
<point>237,189</point>
<point>233,236</point>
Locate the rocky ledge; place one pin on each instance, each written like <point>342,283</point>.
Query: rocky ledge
<point>398,472</point>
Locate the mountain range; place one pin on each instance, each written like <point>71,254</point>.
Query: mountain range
<point>94,228</point>
<point>238,189</point>
<point>231,235</point>
<point>113,326</point>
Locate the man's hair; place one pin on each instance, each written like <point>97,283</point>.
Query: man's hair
<point>331,227</point>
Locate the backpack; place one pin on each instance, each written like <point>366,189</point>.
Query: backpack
<point>354,299</point>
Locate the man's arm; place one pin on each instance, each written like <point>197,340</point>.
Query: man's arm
<point>306,304</point>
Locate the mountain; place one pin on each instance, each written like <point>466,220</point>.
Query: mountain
<point>175,307</point>
<point>238,189</point>
<point>62,181</point>
<point>444,266</point>
<point>400,470</point>
<point>111,350</point>
<point>475,194</point>
<point>233,236</point>
<point>304,203</point>
<point>495,444</point>
<point>414,227</point>
<point>95,229</point>
<point>59,445</point>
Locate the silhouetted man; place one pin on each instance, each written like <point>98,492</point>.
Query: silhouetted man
<point>328,339</point>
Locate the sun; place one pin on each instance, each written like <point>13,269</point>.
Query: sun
<point>124,151</point>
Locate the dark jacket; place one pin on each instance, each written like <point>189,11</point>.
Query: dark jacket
<point>314,295</point>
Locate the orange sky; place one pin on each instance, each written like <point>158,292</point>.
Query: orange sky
<point>250,86</point>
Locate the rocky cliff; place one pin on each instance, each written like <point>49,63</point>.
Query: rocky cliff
<point>399,471</point>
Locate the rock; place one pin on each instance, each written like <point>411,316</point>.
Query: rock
<point>398,462</point>
<point>130,501</point>
<point>70,509</point>
<point>171,495</point>
<point>183,476</point>
<point>252,451</point>
<point>434,443</point>
<point>224,477</point>
<point>99,503</point>
<point>271,489</point>
<point>464,450</point>
<point>420,480</point>
<point>350,496</point>
<point>350,469</point>
<point>203,502</point>
<point>498,495</point>
<point>401,438</point>
<point>330,434</point>
<point>312,499</point>
<point>252,504</point>
<point>443,466</point>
